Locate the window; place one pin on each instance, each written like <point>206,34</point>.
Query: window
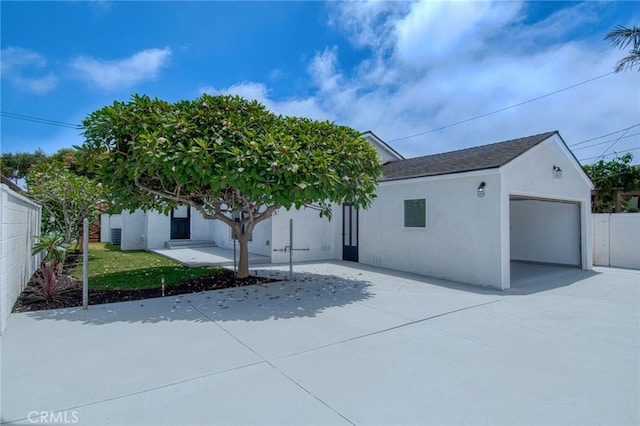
<point>181,211</point>
<point>415,213</point>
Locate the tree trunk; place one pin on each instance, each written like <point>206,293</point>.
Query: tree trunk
<point>80,243</point>
<point>243,263</point>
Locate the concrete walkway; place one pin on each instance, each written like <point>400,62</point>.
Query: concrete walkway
<point>342,344</point>
<point>208,256</point>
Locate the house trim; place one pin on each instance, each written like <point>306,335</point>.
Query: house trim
<point>575,163</point>
<point>372,137</point>
<point>435,178</point>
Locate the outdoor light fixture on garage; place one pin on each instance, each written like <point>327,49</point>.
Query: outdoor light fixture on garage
<point>481,189</point>
<point>557,172</point>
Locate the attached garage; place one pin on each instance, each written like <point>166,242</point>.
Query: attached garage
<point>524,201</point>
<point>545,231</point>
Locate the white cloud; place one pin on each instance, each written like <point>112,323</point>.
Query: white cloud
<point>368,23</point>
<point>452,61</point>
<point>21,67</point>
<point>38,85</point>
<point>323,70</point>
<point>433,65</point>
<point>434,30</point>
<point>16,58</point>
<point>556,27</point>
<point>277,74</point>
<point>122,73</point>
<point>305,107</point>
<point>248,90</point>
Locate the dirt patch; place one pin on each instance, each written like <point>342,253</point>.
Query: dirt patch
<point>70,295</point>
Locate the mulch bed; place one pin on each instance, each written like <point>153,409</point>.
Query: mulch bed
<point>70,295</point>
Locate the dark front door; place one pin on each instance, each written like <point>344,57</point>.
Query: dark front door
<point>349,232</point>
<point>181,223</point>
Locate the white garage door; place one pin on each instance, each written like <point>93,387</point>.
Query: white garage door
<point>545,231</point>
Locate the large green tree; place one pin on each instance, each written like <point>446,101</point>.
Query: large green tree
<point>623,37</point>
<point>611,177</point>
<point>16,166</point>
<point>71,158</point>
<point>224,154</point>
<point>65,197</point>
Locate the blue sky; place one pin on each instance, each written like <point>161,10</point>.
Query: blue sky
<point>396,68</point>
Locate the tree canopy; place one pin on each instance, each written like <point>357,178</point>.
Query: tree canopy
<point>71,159</point>
<point>612,176</point>
<point>16,166</point>
<point>65,197</point>
<point>224,154</point>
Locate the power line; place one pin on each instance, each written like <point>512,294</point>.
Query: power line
<point>602,143</point>
<point>611,146</point>
<point>502,109</point>
<point>39,120</point>
<point>604,136</point>
<point>613,153</point>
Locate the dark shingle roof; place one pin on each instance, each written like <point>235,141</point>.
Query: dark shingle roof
<point>465,160</point>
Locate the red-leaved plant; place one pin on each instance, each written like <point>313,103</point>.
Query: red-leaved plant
<point>47,279</point>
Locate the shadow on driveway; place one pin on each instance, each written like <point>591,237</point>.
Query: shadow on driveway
<point>526,278</point>
<point>530,278</point>
<point>308,295</point>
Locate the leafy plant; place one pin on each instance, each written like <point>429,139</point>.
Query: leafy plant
<point>65,197</point>
<point>15,166</point>
<point>53,245</point>
<point>623,37</point>
<point>46,277</point>
<point>609,177</point>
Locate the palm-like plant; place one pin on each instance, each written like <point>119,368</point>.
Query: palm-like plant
<point>622,37</point>
<point>46,277</point>
<point>53,246</point>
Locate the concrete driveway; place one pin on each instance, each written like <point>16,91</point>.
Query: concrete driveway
<point>343,344</point>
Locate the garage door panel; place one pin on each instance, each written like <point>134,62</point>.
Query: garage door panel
<point>545,231</point>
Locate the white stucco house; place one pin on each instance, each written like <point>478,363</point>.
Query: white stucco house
<point>463,215</point>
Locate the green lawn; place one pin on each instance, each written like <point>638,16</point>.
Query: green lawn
<point>110,268</point>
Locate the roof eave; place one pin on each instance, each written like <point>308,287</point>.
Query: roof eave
<point>384,145</point>
<point>457,172</point>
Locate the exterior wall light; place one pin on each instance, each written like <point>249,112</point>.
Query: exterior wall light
<point>557,172</point>
<point>481,189</point>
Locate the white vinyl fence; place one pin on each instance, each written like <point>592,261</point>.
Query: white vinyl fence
<point>20,222</point>
<point>616,240</point>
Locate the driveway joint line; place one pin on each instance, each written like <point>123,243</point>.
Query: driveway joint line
<point>143,391</point>
<point>266,361</point>
<point>395,327</point>
<point>382,310</point>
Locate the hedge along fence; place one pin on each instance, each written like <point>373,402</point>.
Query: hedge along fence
<point>616,240</point>
<point>20,220</point>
